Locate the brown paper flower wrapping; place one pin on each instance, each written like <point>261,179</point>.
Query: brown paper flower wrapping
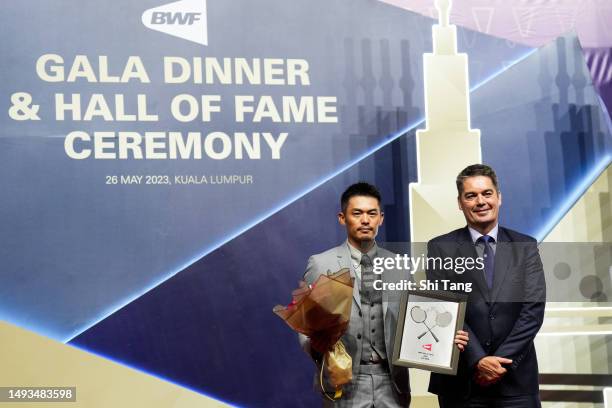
<point>322,312</point>
<point>339,364</point>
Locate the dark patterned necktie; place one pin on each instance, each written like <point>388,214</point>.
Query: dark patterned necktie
<point>489,259</point>
<point>367,280</point>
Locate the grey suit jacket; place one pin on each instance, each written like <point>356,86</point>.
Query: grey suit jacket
<point>335,259</point>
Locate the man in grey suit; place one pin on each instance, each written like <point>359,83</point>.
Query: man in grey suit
<point>371,330</point>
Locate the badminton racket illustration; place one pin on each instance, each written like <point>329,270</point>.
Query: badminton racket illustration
<point>442,320</point>
<point>419,315</point>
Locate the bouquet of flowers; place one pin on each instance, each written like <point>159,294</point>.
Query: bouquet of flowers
<point>322,312</point>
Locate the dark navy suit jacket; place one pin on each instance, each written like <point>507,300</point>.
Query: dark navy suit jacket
<point>502,321</point>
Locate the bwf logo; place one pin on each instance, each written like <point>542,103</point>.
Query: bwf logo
<point>162,17</point>
<point>184,19</point>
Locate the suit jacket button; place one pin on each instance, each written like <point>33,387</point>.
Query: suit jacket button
<point>492,317</point>
<point>487,343</point>
<point>359,336</point>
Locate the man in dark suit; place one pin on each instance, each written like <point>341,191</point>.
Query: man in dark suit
<point>505,309</point>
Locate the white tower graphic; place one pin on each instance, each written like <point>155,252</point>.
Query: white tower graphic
<point>447,144</point>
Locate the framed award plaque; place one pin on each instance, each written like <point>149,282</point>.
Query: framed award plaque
<point>426,327</point>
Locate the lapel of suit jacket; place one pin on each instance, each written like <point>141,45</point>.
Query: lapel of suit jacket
<point>468,250</point>
<point>503,258</point>
<point>344,261</point>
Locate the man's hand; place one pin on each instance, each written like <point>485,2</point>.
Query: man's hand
<point>461,339</point>
<point>489,370</point>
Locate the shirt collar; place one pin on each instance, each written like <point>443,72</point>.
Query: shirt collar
<point>475,234</point>
<point>356,254</point>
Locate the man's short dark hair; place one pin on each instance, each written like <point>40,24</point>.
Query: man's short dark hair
<point>359,189</point>
<point>476,170</point>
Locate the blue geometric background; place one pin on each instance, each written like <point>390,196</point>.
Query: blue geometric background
<point>79,249</point>
<point>180,283</point>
